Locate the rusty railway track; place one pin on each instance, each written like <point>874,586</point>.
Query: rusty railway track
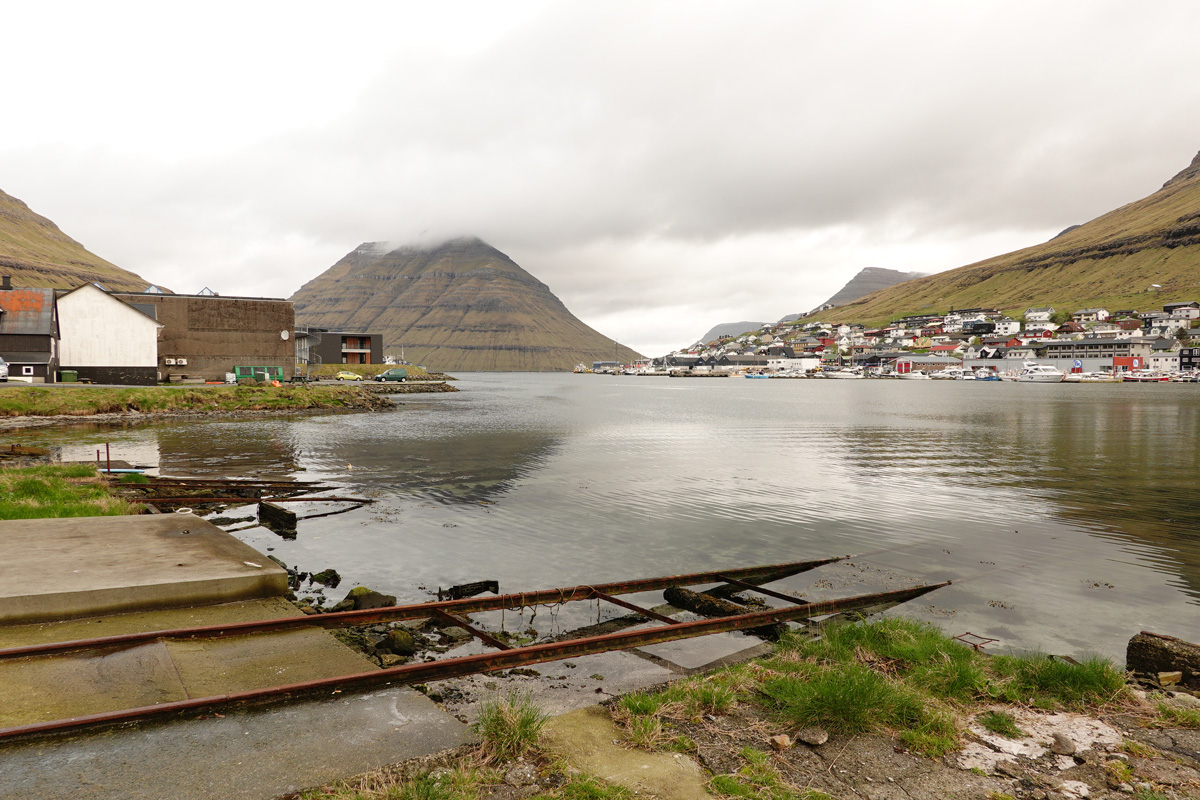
<point>451,611</point>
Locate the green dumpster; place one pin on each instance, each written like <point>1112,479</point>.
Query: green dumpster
<point>68,375</point>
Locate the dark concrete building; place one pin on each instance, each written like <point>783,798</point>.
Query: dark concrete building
<point>206,336</point>
<point>348,347</point>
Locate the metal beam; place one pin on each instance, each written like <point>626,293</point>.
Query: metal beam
<point>470,605</point>
<point>470,665</point>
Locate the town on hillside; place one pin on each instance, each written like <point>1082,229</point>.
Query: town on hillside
<point>1045,345</point>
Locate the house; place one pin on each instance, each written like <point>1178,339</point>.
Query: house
<point>29,332</point>
<point>1189,359</point>
<point>1038,319</point>
<point>1006,326</point>
<point>950,349</point>
<point>1090,315</point>
<point>1069,329</point>
<point>106,340</point>
<point>1184,310</point>
<point>1095,348</point>
<point>204,336</point>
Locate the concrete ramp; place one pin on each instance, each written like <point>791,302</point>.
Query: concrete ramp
<point>57,569</point>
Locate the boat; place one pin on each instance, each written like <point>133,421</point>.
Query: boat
<point>1039,373</point>
<point>985,374</point>
<point>844,374</point>
<point>954,374</point>
<point>915,375</point>
<point>1144,376</point>
<point>1098,377</point>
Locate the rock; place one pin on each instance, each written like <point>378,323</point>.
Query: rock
<point>401,642</point>
<point>1153,653</point>
<point>1186,699</point>
<point>1010,768</point>
<point>1170,678</point>
<point>1062,745</point>
<point>327,577</point>
<point>814,737</point>
<point>391,660</point>
<point>456,634</point>
<point>781,741</point>
<point>521,774</point>
<point>360,598</point>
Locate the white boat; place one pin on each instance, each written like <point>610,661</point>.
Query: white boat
<point>1040,373</point>
<point>844,374</point>
<point>915,375</point>
<point>954,374</point>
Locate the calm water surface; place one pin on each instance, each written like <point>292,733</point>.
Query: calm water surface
<point>1067,514</point>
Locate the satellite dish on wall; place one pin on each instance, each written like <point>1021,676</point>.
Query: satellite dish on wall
<point>284,335</point>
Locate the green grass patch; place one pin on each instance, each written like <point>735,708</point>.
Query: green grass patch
<point>58,491</point>
<point>1174,716</point>
<point>1049,683</point>
<point>510,726</point>
<point>40,401</point>
<point>586,787</point>
<point>758,779</point>
<point>1001,723</point>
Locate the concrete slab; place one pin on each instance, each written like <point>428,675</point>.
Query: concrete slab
<point>249,755</point>
<point>590,741</point>
<point>90,566</point>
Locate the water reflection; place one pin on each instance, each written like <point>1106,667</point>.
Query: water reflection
<point>1064,513</point>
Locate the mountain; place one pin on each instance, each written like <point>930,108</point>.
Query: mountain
<point>1137,257</point>
<point>458,306</point>
<point>868,279</point>
<point>38,255</point>
<point>730,329</point>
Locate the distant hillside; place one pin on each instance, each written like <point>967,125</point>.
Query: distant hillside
<point>38,255</point>
<point>1115,261</point>
<point>868,279</point>
<point>730,329</point>
<point>458,306</point>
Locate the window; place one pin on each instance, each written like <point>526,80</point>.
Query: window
<point>26,370</point>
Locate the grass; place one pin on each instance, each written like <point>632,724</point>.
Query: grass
<point>39,401</point>
<point>1001,723</point>
<point>510,727</point>
<point>58,491</point>
<point>1177,717</point>
<point>758,779</point>
<point>894,676</point>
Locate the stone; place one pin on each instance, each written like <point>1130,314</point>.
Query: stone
<point>781,741</point>
<point>401,642</point>
<point>1010,768</point>
<point>1062,745</point>
<point>327,577</point>
<point>814,737</point>
<point>1152,653</point>
<point>1186,699</point>
<point>1170,678</point>
<point>521,774</point>
<point>360,597</point>
<point>391,660</point>
<point>456,634</point>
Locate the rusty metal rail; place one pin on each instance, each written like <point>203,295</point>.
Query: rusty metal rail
<point>747,576</point>
<point>469,665</point>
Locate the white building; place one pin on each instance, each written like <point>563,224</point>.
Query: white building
<point>106,340</point>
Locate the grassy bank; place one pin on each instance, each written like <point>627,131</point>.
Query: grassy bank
<point>415,373</point>
<point>58,491</point>
<point>50,401</point>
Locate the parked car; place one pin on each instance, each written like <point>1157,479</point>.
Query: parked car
<point>347,376</point>
<point>394,374</point>
<point>3,370</point>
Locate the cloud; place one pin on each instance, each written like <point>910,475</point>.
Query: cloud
<point>662,166</point>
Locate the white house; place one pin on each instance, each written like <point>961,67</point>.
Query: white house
<point>106,340</point>
<point>1185,310</point>
<point>1091,315</point>
<point>1006,326</point>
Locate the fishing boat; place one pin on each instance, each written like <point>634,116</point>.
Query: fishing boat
<point>1145,376</point>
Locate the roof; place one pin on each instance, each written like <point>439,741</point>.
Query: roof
<point>28,311</point>
<point>1049,309</point>
<point>145,309</point>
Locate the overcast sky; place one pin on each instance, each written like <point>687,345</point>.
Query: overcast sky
<point>663,167</point>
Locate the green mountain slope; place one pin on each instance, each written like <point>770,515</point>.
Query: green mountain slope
<point>1114,261</point>
<point>459,306</point>
<point>37,254</point>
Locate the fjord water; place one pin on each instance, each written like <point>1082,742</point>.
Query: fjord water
<point>1066,514</point>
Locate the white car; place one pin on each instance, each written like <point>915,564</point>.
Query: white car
<point>3,370</point>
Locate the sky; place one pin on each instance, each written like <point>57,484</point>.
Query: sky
<point>662,166</point>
